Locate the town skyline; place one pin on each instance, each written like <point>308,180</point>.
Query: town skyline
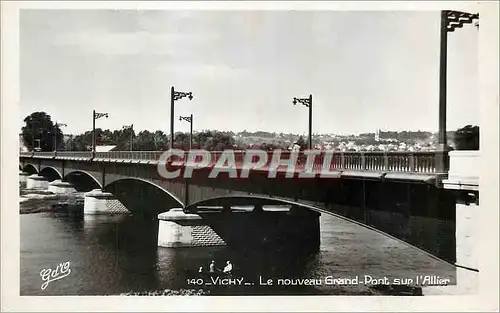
<point>361,75</point>
<point>238,131</point>
<point>139,140</point>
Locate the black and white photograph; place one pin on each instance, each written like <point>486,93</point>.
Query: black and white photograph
<point>237,151</point>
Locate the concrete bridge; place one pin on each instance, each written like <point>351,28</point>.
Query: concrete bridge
<point>400,194</point>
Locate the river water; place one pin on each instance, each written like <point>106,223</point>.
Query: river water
<point>110,255</point>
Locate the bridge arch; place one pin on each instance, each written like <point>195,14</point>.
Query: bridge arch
<point>50,173</point>
<point>247,200</point>
<point>236,200</point>
<point>82,181</point>
<point>30,169</point>
<point>142,196</point>
<point>284,230</point>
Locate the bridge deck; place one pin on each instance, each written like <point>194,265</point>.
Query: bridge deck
<point>414,166</point>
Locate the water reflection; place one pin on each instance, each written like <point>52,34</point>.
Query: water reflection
<point>117,254</point>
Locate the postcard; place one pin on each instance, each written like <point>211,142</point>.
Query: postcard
<point>249,156</point>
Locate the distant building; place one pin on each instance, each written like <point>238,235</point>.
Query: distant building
<point>102,148</point>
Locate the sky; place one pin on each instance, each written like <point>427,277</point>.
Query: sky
<point>365,70</point>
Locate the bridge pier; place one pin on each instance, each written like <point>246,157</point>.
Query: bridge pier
<point>60,187</point>
<point>305,230</point>
<point>178,229</point>
<point>23,177</point>
<point>98,202</point>
<point>36,181</point>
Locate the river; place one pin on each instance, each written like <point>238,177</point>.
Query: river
<point>111,255</point>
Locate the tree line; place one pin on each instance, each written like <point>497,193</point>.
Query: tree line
<point>41,133</point>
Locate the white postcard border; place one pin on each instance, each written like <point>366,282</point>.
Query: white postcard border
<point>487,297</point>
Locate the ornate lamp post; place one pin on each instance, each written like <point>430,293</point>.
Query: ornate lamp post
<point>131,128</point>
<point>174,96</point>
<point>95,116</point>
<point>450,20</point>
<point>186,181</point>
<point>190,120</point>
<point>308,102</point>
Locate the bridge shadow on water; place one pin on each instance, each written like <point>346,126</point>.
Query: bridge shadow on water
<point>118,254</point>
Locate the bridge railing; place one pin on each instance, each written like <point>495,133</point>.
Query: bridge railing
<point>419,162</point>
<point>74,154</point>
<point>49,154</point>
<point>412,162</point>
<point>130,155</point>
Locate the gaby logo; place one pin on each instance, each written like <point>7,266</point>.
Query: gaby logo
<point>49,275</point>
<point>238,164</point>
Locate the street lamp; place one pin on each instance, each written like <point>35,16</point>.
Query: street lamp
<point>174,96</point>
<point>56,127</point>
<point>450,20</point>
<point>131,128</point>
<point>186,182</point>
<point>308,102</point>
<point>95,116</point>
<point>190,120</point>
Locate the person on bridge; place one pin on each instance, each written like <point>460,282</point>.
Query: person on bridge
<point>228,268</point>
